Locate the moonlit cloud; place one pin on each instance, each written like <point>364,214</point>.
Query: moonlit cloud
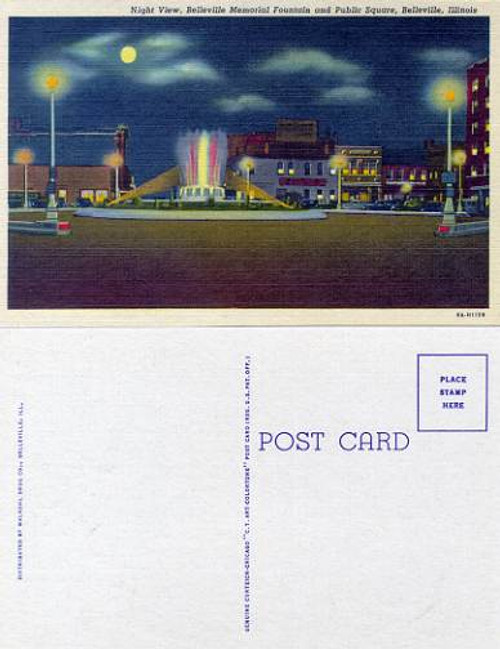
<point>447,56</point>
<point>297,60</point>
<point>166,43</point>
<point>243,103</point>
<point>181,71</point>
<point>94,48</point>
<point>347,95</point>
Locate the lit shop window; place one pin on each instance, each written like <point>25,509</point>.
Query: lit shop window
<point>307,168</point>
<point>280,168</point>
<point>101,195</point>
<point>366,172</point>
<point>475,85</point>
<point>291,169</point>
<point>345,171</point>
<point>412,176</point>
<point>423,176</point>
<point>87,193</point>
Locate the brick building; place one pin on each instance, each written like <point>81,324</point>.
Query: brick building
<point>477,137</point>
<point>96,183</point>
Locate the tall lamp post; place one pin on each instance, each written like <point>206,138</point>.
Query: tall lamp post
<point>406,189</point>
<point>459,159</point>
<point>24,157</point>
<point>447,94</point>
<point>51,80</point>
<point>247,165</point>
<point>115,160</point>
<point>338,163</point>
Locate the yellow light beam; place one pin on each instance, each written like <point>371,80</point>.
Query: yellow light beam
<point>234,181</point>
<point>166,180</point>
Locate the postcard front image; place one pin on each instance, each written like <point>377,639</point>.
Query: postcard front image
<point>254,161</point>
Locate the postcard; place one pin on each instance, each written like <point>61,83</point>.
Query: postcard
<point>278,487</point>
<point>230,163</point>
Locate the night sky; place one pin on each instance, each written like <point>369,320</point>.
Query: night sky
<point>365,79</point>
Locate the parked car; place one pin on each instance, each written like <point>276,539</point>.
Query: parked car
<point>355,206</point>
<point>432,207</point>
<point>84,202</point>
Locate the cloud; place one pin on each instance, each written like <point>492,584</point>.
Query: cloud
<point>297,60</point>
<point>347,95</point>
<point>165,44</point>
<point>181,71</point>
<point>94,48</point>
<point>243,103</point>
<point>447,56</point>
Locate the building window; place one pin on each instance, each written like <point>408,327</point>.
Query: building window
<point>473,171</point>
<point>475,85</point>
<point>485,169</point>
<point>486,148</point>
<point>474,150</point>
<point>319,194</point>
<point>87,193</point>
<point>101,195</point>
<point>412,175</point>
<point>280,167</point>
<point>474,128</point>
<point>320,169</point>
<point>307,193</point>
<point>487,126</point>
<point>423,176</point>
<point>307,168</point>
<point>291,169</point>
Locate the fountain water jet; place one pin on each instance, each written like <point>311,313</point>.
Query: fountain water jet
<point>202,157</point>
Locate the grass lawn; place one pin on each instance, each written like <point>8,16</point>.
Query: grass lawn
<point>351,260</point>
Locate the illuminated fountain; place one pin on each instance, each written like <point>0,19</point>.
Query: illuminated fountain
<point>202,159</point>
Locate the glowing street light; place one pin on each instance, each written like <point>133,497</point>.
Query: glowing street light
<point>247,165</point>
<point>448,93</point>
<point>459,159</point>
<point>406,189</point>
<point>51,80</point>
<point>338,162</point>
<point>115,160</point>
<point>24,157</point>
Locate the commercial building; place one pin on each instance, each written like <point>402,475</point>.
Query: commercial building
<point>295,163</point>
<point>477,137</point>
<point>96,183</point>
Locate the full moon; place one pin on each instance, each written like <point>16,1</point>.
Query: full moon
<point>128,54</point>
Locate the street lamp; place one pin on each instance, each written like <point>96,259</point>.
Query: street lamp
<point>447,94</point>
<point>459,159</point>
<point>115,160</point>
<point>24,157</point>
<point>51,80</point>
<point>338,163</point>
<point>406,189</point>
<point>247,165</point>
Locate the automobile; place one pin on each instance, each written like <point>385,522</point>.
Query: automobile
<point>38,202</point>
<point>355,206</point>
<point>84,202</point>
<point>380,206</point>
<point>432,207</point>
<point>307,203</point>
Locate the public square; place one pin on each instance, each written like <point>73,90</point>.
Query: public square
<point>344,261</point>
